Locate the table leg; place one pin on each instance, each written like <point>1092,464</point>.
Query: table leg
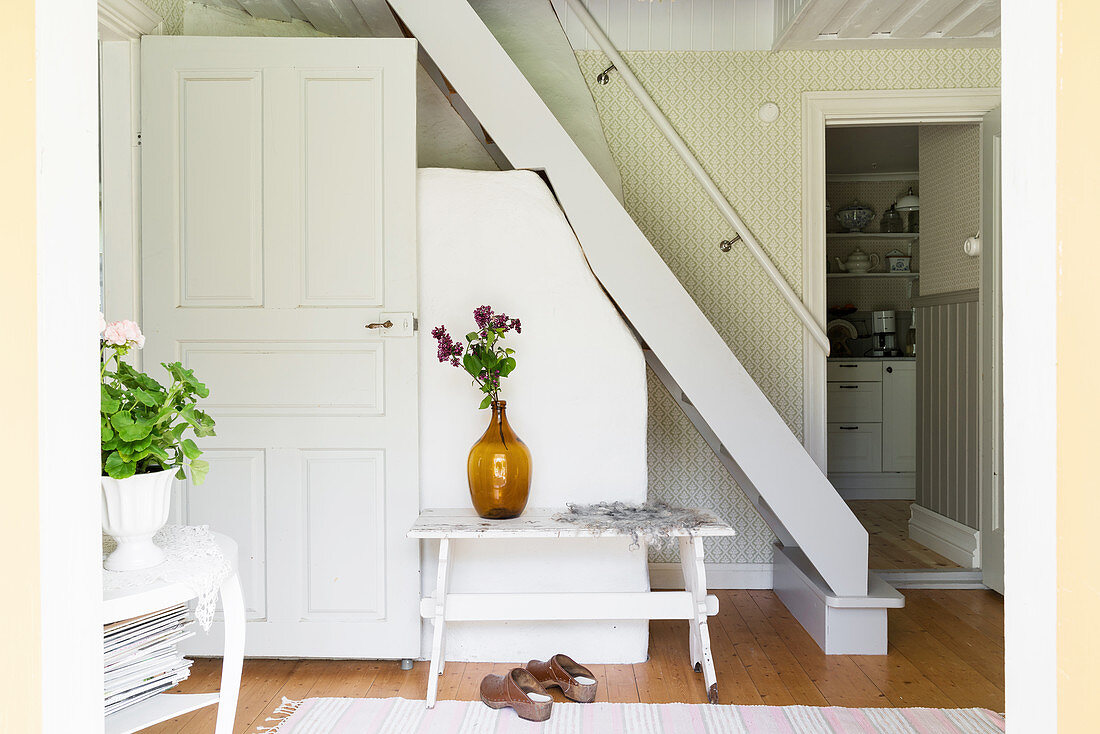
<point>439,620</point>
<point>232,656</point>
<point>695,581</point>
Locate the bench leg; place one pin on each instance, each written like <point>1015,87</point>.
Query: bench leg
<point>439,620</point>
<point>695,582</point>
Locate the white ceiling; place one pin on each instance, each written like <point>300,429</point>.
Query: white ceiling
<point>702,25</point>
<point>838,24</point>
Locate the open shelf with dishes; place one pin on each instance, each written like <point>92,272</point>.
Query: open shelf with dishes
<point>911,276</point>
<point>872,235</point>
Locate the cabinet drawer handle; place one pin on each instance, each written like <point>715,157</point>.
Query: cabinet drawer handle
<point>849,387</point>
<point>889,369</point>
<point>847,365</point>
<point>849,428</point>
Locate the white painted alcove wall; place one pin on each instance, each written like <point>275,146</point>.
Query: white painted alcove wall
<point>577,398</point>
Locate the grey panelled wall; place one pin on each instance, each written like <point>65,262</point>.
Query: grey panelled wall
<point>948,418</point>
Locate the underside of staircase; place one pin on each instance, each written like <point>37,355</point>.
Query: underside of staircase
<point>820,566</point>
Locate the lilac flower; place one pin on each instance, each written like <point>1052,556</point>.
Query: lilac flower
<point>488,360</point>
<point>482,316</point>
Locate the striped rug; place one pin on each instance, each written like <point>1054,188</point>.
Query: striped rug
<point>401,716</point>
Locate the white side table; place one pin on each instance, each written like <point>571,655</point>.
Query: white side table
<point>119,605</point>
<point>693,604</point>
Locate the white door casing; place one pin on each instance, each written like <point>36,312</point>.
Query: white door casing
<point>278,221</point>
<point>991,482</point>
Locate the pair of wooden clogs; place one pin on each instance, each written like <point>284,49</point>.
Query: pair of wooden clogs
<point>524,689</point>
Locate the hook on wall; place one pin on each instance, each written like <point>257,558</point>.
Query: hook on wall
<point>727,245</point>
<point>604,76</point>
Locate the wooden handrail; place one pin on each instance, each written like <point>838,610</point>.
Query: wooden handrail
<point>793,301</point>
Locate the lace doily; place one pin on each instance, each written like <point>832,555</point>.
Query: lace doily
<point>193,559</point>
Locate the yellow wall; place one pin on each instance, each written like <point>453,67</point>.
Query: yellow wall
<point>1078,397</point>
<point>20,639</point>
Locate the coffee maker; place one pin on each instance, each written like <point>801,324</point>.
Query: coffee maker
<point>884,338</point>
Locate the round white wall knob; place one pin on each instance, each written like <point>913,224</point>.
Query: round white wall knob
<point>973,246</point>
<point>769,112</point>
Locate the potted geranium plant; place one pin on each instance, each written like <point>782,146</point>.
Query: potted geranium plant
<point>143,444</point>
<point>499,465</point>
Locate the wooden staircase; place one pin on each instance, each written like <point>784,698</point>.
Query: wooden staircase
<point>821,558</point>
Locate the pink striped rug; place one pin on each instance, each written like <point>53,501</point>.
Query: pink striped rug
<point>401,716</point>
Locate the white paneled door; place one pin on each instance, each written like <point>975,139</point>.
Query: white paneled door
<point>278,222</point>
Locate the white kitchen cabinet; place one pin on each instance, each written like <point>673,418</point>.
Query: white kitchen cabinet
<point>899,416</point>
<point>855,447</point>
<point>872,428</point>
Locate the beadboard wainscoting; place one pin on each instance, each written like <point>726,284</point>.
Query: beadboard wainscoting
<point>948,416</point>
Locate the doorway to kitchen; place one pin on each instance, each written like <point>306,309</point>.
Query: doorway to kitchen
<point>893,214</point>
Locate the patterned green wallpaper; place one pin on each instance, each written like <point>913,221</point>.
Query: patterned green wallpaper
<point>171,11</point>
<point>712,99</point>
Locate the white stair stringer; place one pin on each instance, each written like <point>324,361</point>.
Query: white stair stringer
<point>809,516</point>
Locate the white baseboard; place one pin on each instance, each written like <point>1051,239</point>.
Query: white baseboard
<point>933,578</point>
<point>950,539</point>
<point>719,576</point>
<point>875,486</point>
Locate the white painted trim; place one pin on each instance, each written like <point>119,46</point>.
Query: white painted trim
<point>821,109</point>
<point>120,177</point>
<point>719,576</point>
<point>933,578</point>
<point>126,20</point>
<point>1029,306</point>
<point>952,540</point>
<point>67,193</point>
<point>876,486</point>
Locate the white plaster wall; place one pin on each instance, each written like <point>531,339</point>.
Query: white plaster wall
<point>577,398</point>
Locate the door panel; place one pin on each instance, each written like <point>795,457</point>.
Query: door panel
<point>279,218</point>
<point>991,521</point>
<point>899,416</point>
<point>220,224</point>
<point>232,500</point>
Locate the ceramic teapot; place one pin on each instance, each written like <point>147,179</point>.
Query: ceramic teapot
<point>858,262</point>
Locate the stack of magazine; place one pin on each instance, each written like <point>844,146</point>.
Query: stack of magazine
<point>140,658</point>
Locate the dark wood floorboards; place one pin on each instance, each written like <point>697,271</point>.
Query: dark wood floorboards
<point>946,651</point>
<point>887,525</point>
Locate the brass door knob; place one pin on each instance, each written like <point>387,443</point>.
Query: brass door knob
<point>380,325</point>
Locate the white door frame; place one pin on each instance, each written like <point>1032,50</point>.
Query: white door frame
<point>874,107</point>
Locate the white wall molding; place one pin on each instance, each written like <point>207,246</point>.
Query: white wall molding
<point>125,20</point>
<point>719,576</point>
<point>871,107</point>
<point>952,540</point>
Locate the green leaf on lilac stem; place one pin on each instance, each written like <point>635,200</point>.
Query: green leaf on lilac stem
<point>486,402</point>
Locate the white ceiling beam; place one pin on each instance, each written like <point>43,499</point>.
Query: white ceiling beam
<point>269,9</point>
<point>352,19</point>
<point>868,19</point>
<point>379,18</point>
<point>979,17</point>
<point>291,8</point>
<point>924,18</point>
<point>806,26</point>
<point>322,14</point>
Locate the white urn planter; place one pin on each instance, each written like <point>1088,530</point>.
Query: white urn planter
<point>134,509</point>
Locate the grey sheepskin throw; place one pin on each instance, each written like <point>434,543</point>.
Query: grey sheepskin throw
<point>651,523</point>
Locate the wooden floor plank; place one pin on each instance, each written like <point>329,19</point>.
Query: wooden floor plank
<point>837,677</point>
<point>890,547</point>
<point>946,650</point>
<point>802,689</point>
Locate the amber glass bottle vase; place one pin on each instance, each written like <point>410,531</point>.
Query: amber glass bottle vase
<point>499,469</point>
